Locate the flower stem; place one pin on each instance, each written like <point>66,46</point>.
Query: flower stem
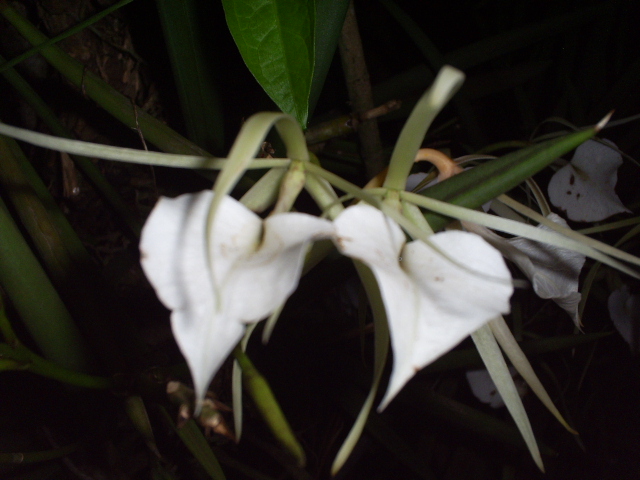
<point>262,395</point>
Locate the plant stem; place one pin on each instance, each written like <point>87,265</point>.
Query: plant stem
<point>359,87</point>
<point>261,393</point>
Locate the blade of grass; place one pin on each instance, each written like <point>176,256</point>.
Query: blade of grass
<point>509,345</point>
<point>25,359</point>
<point>34,457</point>
<point>72,31</point>
<point>503,43</point>
<point>476,186</point>
<point>57,244</point>
<point>471,359</point>
<point>468,419</point>
<point>436,61</point>
<point>381,351</point>
<point>131,155</point>
<point>72,271</point>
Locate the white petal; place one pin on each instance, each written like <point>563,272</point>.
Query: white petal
<point>554,271</point>
<point>264,279</point>
<point>432,304</point>
<point>241,277</point>
<point>175,260</point>
<point>585,188</point>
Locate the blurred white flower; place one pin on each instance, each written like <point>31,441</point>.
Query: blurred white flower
<point>585,188</point>
<point>215,282</point>
<point>432,302</point>
<point>553,271</point>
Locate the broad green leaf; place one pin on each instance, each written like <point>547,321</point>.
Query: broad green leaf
<point>329,19</point>
<point>276,41</point>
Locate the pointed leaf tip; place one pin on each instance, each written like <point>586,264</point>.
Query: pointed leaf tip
<point>601,124</point>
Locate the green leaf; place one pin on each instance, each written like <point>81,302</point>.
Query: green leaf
<point>476,186</point>
<point>262,395</point>
<point>47,319</point>
<point>184,23</point>
<point>194,440</point>
<point>102,93</point>
<point>507,341</point>
<point>276,41</point>
<point>428,107</point>
<point>497,367</point>
<point>329,19</point>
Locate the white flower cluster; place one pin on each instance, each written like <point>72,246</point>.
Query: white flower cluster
<point>218,277</point>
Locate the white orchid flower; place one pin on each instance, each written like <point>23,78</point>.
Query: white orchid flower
<point>585,188</point>
<point>553,271</point>
<point>248,269</point>
<point>432,303</point>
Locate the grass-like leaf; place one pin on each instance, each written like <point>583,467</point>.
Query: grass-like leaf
<point>497,367</point>
<point>187,44</point>
<point>194,440</point>
<point>47,319</point>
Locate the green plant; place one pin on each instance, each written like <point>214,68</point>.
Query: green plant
<point>221,268</point>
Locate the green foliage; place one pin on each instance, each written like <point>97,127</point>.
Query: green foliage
<point>277,41</point>
<point>309,388</point>
<point>190,49</point>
